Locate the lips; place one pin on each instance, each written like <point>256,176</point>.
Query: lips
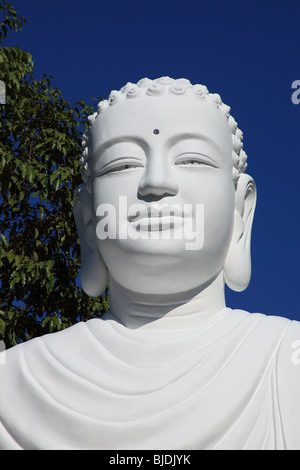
<point>158,217</point>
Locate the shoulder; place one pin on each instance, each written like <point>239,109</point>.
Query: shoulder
<point>66,337</point>
<point>265,328</point>
<point>288,382</point>
<point>31,375</point>
<point>281,337</point>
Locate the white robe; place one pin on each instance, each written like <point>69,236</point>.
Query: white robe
<point>231,384</point>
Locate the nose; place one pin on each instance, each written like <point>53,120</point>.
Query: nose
<point>158,180</point>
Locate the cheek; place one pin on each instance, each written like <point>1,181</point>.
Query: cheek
<point>215,191</point>
<point>104,203</point>
<point>108,189</point>
<point>104,192</point>
<point>114,194</point>
<point>219,218</point>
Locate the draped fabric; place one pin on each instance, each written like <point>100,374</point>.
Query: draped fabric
<point>100,385</point>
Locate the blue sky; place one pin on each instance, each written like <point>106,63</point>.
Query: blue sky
<point>247,51</point>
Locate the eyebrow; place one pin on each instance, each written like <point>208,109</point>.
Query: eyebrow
<point>144,144</point>
<point>117,140</point>
<point>193,135</point>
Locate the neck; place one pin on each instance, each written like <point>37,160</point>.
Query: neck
<point>135,310</point>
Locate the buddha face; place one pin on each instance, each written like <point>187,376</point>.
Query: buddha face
<point>161,153</point>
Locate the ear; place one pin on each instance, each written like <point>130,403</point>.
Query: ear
<point>237,267</point>
<point>94,274</point>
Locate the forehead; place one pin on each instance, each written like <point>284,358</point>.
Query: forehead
<point>176,117</point>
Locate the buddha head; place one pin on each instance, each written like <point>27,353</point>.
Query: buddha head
<point>161,155</point>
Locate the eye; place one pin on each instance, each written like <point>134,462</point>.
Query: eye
<point>195,159</point>
<point>120,165</point>
<point>190,162</point>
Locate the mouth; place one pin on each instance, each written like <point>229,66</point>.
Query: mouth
<point>158,218</point>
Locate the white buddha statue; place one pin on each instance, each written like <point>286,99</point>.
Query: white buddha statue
<point>170,366</point>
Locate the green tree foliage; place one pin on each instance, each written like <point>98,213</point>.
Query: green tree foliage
<point>40,148</point>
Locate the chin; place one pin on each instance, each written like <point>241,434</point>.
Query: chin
<point>157,276</point>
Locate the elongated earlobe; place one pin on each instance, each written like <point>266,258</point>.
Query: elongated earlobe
<point>94,274</point>
<point>237,267</point>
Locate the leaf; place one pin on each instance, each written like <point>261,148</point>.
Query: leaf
<point>10,256</point>
<point>57,184</point>
<point>18,259</point>
<point>2,329</point>
<point>53,323</point>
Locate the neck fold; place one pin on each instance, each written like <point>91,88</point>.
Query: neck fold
<point>196,307</point>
